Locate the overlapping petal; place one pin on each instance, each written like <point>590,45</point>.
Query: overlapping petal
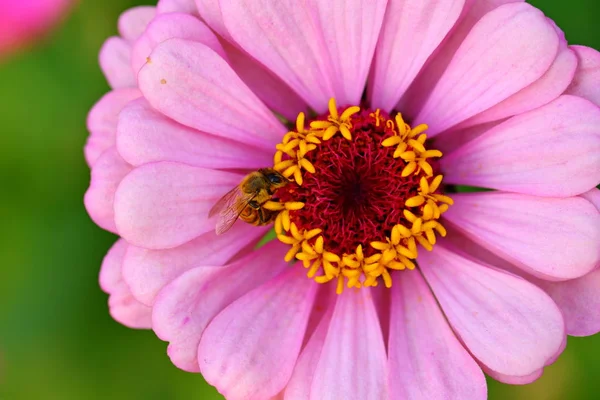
<point>586,82</point>
<point>190,83</point>
<point>411,32</point>
<point>507,50</point>
<point>424,354</point>
<point>122,305</point>
<point>249,350</point>
<point>593,196</point>
<point>102,122</point>
<point>115,61</point>
<point>473,10</point>
<point>178,6</point>
<point>133,22</point>
<point>282,35</point>
<point>166,204</point>
<point>507,323</point>
<point>145,135</point>
<point>350,30</point>
<point>211,12</point>
<point>579,301</point>
<point>551,238</point>
<point>185,307</point>
<point>551,85</point>
<point>269,88</point>
<point>107,173</point>
<point>336,375</point>
<point>299,386</point>
<point>515,380</point>
<point>169,26</point>
<point>148,271</point>
<point>551,151</point>
<point>274,93</point>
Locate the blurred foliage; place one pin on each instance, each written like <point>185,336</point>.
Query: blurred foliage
<point>57,340</point>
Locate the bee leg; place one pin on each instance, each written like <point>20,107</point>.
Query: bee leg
<point>254,204</point>
<point>262,217</point>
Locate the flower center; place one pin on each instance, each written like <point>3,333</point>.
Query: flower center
<point>363,194</point>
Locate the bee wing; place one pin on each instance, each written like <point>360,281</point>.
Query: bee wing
<point>229,207</point>
<point>225,202</point>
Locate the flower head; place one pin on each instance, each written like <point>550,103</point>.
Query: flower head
<point>379,264</point>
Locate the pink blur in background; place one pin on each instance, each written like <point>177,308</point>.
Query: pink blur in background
<point>23,22</point>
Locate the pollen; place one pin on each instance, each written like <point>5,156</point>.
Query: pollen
<point>365,194</point>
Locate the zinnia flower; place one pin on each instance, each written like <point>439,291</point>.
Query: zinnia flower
<point>23,21</point>
<point>384,281</point>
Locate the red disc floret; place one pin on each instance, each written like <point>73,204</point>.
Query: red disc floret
<point>357,193</point>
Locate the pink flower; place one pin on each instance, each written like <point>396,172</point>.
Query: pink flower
<point>434,287</point>
<point>22,21</point>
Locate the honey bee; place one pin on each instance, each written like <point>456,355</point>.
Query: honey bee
<point>245,200</point>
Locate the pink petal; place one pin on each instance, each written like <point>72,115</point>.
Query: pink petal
<point>579,301</point>
<point>299,386</point>
<point>352,364</point>
<point>416,95</point>
<point>515,380</point>
<point>507,323</point>
<point>102,122</point>
<point>110,278</point>
<point>593,196</point>
<point>107,173</point>
<point>126,310</point>
<point>281,36</point>
<point>551,151</point>
<point>134,21</point>
<point>426,360</point>
<point>399,57</point>
<point>185,307</point>
<point>325,297</point>
<point>552,238</point>
<point>562,348</point>
<point>249,350</point>
<point>507,50</point>
<point>350,32</point>
<point>145,135</point>
<point>148,271</point>
<point>586,83</point>
<point>189,82</point>
<point>123,307</point>
<point>169,26</point>
<point>551,85</point>
<point>210,11</point>
<point>166,204</point>
<point>269,88</point>
<point>456,137</point>
<point>115,62</point>
<point>179,6</point>
<point>527,379</point>
<point>277,95</point>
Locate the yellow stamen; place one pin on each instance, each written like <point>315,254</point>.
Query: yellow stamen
<point>295,145</point>
<point>336,123</point>
<point>377,117</point>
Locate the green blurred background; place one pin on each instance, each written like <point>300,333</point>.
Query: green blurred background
<point>57,340</point>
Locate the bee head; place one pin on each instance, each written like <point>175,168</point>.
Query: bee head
<point>274,177</point>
